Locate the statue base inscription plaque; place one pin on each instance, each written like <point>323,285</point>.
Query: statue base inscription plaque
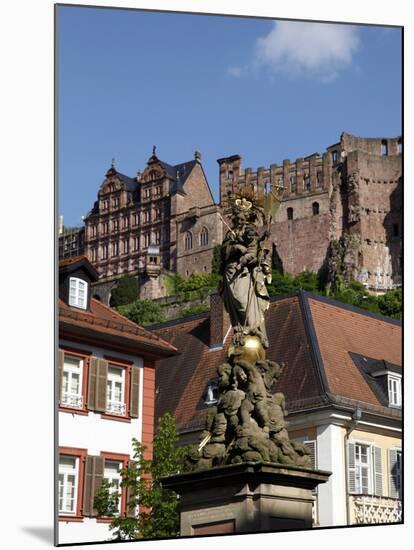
<point>250,497</point>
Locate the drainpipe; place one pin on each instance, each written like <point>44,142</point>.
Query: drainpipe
<point>356,417</point>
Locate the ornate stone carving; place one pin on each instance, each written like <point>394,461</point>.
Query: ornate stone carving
<point>248,422</point>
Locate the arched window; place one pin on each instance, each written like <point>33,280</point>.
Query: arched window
<point>290,213</point>
<point>188,240</point>
<point>204,237</point>
<point>315,208</point>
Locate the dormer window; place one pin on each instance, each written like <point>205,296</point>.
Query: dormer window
<point>78,292</point>
<point>394,391</point>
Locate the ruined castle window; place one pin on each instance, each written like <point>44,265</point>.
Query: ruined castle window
<point>145,216</point>
<point>319,179</point>
<point>105,204</point>
<point>306,182</point>
<point>147,193</point>
<point>125,246</point>
<point>315,208</point>
<point>115,248</point>
<point>399,147</point>
<point>289,213</point>
<point>334,156</point>
<point>267,187</point>
<point>293,184</point>
<point>384,148</point>
<point>146,240</point>
<point>188,240</point>
<point>105,227</point>
<point>104,251</point>
<point>116,202</point>
<point>115,225</point>
<point>204,237</point>
<point>126,222</point>
<point>157,237</point>
<point>93,230</point>
<point>157,213</point>
<point>135,243</point>
<point>93,254</point>
<point>395,229</point>
<point>230,174</point>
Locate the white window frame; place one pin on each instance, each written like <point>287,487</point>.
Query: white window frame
<point>111,477</point>
<point>68,398</point>
<point>76,285</point>
<point>394,393</point>
<point>64,473</point>
<point>115,406</point>
<point>358,469</point>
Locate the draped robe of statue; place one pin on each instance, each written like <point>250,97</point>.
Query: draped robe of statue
<point>244,270</point>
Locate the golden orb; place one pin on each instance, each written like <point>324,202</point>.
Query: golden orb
<point>251,351</point>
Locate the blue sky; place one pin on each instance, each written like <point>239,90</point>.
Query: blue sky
<point>268,91</point>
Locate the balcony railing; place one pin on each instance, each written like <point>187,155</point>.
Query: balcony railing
<point>372,509</point>
<point>72,400</point>
<point>115,407</point>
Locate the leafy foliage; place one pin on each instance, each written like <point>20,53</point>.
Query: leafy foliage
<point>172,282</point>
<point>216,260</point>
<point>158,514</point>
<point>125,292</point>
<point>197,286</point>
<point>143,312</point>
<point>193,310</point>
<point>390,304</point>
<point>353,293</point>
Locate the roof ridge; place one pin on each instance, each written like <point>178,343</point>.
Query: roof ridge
<point>314,349</point>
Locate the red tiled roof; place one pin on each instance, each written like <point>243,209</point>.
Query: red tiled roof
<point>340,331</point>
<point>300,328</point>
<point>105,321</point>
<point>72,260</point>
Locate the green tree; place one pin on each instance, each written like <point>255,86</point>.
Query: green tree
<point>216,260</point>
<point>390,303</point>
<point>125,292</point>
<point>143,312</point>
<point>158,514</point>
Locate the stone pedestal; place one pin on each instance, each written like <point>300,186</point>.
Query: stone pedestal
<point>251,497</point>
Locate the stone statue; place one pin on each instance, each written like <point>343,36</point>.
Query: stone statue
<point>248,421</point>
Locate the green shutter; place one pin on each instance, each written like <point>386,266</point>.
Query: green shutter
<point>134,393</point>
<point>351,468</point>
<point>60,373</point>
<point>378,489</point>
<point>94,471</point>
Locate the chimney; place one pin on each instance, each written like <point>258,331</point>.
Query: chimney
<point>219,321</point>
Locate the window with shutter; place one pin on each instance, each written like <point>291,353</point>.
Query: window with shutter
<point>94,472</point>
<point>394,472</point>
<point>311,445</point>
<point>130,495</point>
<point>362,468</point>
<point>378,486</point>
<point>134,393</point>
<point>60,372</point>
<point>112,474</point>
<point>98,372</point>
<point>351,468</point>
<point>68,484</point>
